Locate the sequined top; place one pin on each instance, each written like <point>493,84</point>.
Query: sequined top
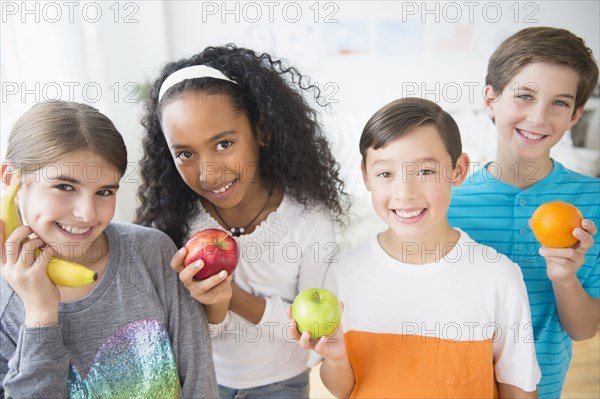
<point>138,333</point>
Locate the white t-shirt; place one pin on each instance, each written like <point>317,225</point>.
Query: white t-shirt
<point>457,323</point>
<point>287,253</point>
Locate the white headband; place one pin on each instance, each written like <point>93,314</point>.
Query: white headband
<point>191,72</point>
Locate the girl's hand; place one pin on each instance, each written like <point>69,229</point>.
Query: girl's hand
<point>331,347</point>
<point>28,277</point>
<point>563,263</point>
<point>215,290</point>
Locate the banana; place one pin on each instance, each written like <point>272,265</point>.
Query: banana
<point>60,272</point>
<point>8,211</point>
<point>69,274</point>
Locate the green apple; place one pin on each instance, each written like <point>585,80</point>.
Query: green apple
<point>317,311</point>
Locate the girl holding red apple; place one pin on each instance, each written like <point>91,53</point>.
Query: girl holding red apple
<point>231,143</point>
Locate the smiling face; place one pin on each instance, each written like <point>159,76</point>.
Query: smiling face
<point>213,146</point>
<point>410,180</point>
<point>533,113</point>
<point>69,203</point>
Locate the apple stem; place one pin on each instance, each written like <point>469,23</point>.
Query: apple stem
<point>318,296</point>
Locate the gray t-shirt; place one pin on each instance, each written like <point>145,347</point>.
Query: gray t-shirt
<point>137,334</point>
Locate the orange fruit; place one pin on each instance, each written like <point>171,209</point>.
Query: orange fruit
<point>553,223</point>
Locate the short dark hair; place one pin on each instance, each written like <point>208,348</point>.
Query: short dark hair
<point>399,117</point>
<point>543,44</point>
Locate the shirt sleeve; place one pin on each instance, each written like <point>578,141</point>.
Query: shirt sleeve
<point>592,283</point>
<point>319,251</point>
<point>39,366</point>
<point>188,329</point>
<point>515,362</point>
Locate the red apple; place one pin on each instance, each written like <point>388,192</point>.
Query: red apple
<point>216,248</point>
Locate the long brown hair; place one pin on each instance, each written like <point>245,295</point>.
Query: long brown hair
<point>50,130</point>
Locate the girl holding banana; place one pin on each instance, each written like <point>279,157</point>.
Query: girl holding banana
<point>88,307</point>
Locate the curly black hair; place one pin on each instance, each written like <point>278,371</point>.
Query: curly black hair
<point>296,156</point>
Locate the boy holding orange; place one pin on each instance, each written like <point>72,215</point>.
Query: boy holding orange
<point>537,83</point>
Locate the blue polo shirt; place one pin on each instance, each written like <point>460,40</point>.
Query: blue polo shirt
<point>496,214</point>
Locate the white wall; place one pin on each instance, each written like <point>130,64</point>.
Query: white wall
<point>362,54</point>
<point>394,46</point>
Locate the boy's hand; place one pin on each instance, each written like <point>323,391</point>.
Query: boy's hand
<point>331,347</point>
<point>28,277</point>
<point>215,290</point>
<point>563,263</point>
